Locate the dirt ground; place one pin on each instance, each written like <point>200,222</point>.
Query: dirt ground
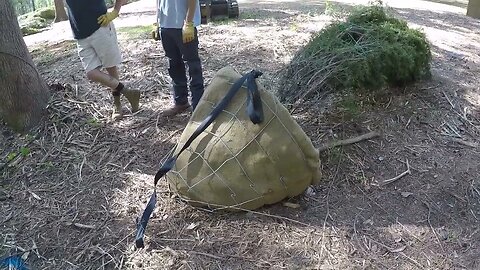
<point>70,197</point>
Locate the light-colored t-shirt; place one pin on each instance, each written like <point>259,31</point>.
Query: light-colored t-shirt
<point>172,13</point>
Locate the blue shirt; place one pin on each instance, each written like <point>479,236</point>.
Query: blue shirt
<point>172,13</point>
<point>83,15</point>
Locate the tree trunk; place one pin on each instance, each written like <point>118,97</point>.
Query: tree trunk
<point>23,93</point>
<point>473,9</point>
<point>60,14</point>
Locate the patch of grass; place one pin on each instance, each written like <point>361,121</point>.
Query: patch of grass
<point>93,122</point>
<point>135,32</point>
<point>221,20</point>
<point>350,106</point>
<point>294,27</point>
<point>11,156</point>
<point>335,155</point>
<point>246,15</point>
<point>24,151</point>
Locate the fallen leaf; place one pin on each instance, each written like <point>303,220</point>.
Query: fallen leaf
<point>406,194</point>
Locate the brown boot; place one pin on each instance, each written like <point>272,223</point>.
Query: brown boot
<point>117,109</point>
<point>176,109</point>
<point>133,96</point>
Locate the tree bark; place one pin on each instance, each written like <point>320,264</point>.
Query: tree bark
<point>60,14</point>
<point>23,93</point>
<point>473,9</point>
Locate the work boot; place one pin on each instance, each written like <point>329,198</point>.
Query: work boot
<point>133,96</point>
<point>117,109</point>
<point>176,109</point>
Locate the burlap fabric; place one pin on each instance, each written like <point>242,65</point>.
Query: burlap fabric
<point>235,164</point>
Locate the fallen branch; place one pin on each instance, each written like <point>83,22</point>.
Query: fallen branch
<point>81,226</point>
<point>360,138</point>
<point>388,181</point>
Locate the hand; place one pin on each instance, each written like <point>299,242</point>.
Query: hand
<point>106,18</point>
<point>188,32</point>
<point>155,33</point>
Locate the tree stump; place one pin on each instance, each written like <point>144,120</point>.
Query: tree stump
<point>473,9</point>
<point>60,13</point>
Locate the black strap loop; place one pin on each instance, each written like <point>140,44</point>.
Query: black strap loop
<point>255,113</point>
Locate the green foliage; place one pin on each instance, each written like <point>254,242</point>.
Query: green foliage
<point>34,22</point>
<point>11,156</point>
<point>24,151</point>
<point>46,13</point>
<point>26,6</point>
<point>93,122</point>
<point>370,50</point>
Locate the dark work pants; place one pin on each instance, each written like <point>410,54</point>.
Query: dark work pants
<point>179,53</point>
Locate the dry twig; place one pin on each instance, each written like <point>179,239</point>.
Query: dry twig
<point>388,181</point>
<point>360,138</point>
<point>466,143</point>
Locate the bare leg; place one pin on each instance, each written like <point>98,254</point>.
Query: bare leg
<point>113,71</point>
<point>104,79</point>
<point>110,80</point>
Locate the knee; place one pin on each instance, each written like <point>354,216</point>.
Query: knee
<point>91,75</point>
<point>177,63</point>
<point>195,66</point>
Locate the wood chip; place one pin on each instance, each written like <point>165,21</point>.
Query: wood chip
<point>291,205</point>
<point>400,249</point>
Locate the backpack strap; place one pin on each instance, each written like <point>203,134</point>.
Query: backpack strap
<point>255,113</point>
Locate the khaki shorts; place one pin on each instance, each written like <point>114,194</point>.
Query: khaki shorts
<point>100,49</point>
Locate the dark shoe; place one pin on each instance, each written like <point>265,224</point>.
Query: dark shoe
<point>133,96</point>
<point>176,109</point>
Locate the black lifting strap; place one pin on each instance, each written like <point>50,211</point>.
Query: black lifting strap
<point>255,112</point>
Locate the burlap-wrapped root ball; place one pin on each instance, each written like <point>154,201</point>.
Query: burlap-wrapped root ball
<point>236,164</point>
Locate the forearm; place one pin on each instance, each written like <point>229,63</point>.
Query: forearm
<point>118,5</point>
<point>192,5</point>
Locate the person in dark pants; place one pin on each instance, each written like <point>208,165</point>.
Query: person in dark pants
<point>176,24</point>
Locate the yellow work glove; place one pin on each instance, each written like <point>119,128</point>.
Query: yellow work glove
<point>106,18</point>
<point>155,33</point>
<point>188,32</point>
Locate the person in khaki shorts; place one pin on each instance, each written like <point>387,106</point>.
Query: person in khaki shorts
<point>97,44</point>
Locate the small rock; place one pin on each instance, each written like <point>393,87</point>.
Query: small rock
<point>368,221</point>
<point>310,192</point>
